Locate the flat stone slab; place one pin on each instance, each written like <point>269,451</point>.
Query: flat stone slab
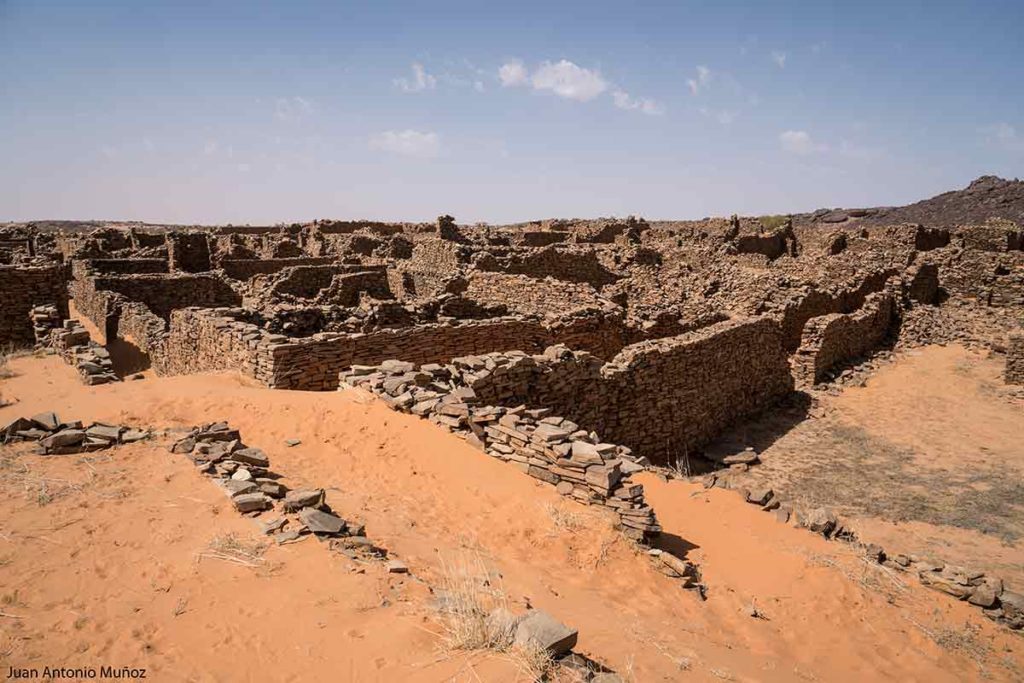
<point>251,456</point>
<point>48,421</point>
<point>251,502</point>
<point>542,630</point>
<point>65,437</point>
<point>320,522</point>
<point>303,498</point>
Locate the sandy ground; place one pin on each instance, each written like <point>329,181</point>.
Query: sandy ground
<point>102,560</point>
<point>927,457</point>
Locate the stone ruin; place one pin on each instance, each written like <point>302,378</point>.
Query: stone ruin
<point>574,349</point>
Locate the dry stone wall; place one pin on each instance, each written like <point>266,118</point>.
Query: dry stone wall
<point>661,398</point>
<point>1015,359</point>
<point>830,340</point>
<point>22,288</point>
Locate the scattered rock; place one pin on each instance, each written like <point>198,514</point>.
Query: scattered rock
<point>540,629</point>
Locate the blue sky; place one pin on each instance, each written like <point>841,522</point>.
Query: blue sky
<point>258,112</point>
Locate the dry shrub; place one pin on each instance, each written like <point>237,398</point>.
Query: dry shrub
<point>475,615</point>
<point>564,517</point>
<point>231,548</point>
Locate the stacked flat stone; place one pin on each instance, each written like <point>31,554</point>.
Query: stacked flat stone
<point>73,343</point>
<point>45,319</point>
<point>1015,359</point>
<point>244,474</point>
<point>547,447</point>
<point>57,437</point>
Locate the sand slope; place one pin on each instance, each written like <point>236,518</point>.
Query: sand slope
<point>98,572</point>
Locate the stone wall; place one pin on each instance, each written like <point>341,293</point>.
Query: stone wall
<point>1015,359</point>
<point>813,302</point>
<point>243,269</point>
<point>188,252</point>
<point>119,266</point>
<point>662,398</point>
<point>22,288</point>
<point>165,293</point>
<point>829,340</point>
<point>574,264</point>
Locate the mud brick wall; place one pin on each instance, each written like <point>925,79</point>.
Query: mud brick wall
<point>165,293</point>
<point>1015,359</point>
<point>188,252</point>
<point>243,269</point>
<point>830,340</point>
<point>21,289</point>
<point>661,398</point>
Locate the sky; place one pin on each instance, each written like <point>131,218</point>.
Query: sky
<point>260,112</point>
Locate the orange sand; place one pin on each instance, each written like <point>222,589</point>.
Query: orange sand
<point>97,574</point>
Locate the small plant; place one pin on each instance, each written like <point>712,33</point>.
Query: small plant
<point>230,548</point>
<point>564,518</point>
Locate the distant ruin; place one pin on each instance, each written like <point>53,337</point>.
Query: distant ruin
<point>656,335</point>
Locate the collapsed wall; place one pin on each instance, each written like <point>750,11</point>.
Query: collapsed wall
<point>830,340</point>
<point>22,289</point>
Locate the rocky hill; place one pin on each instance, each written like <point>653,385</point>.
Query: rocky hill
<point>985,198</point>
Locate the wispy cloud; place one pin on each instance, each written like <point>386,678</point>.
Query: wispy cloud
<point>623,100</point>
<point>292,108</point>
<point>512,74</point>
<point>1004,136</point>
<point>779,58</point>
<point>419,82</point>
<point>700,81</point>
<point>799,142</point>
<point>411,143</point>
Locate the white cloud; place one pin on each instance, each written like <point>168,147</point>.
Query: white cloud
<point>800,142</point>
<point>644,104</point>
<point>1005,136</point>
<point>568,80</point>
<point>291,108</point>
<point>412,143</point>
<point>421,80</point>
<point>779,58</point>
<point>701,81</point>
<point>513,73</point>
<point>478,86</point>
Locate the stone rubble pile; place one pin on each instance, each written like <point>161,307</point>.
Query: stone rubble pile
<point>57,437</point>
<point>73,343</point>
<point>245,475</point>
<point>989,593</point>
<point>547,447</point>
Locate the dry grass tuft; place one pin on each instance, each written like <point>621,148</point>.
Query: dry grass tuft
<point>475,616</point>
<point>231,548</point>
<point>565,518</point>
<point>466,599</point>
